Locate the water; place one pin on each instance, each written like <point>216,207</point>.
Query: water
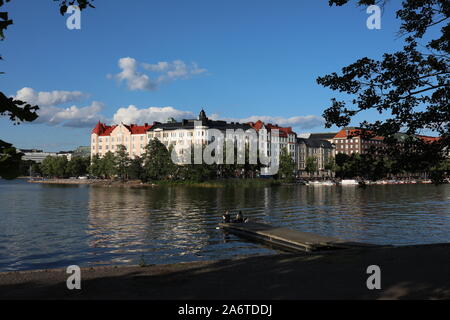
<point>51,226</point>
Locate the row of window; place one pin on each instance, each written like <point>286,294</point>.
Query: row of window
<point>133,146</point>
<point>119,139</point>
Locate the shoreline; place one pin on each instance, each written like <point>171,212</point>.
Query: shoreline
<point>138,183</point>
<point>324,275</point>
<point>256,182</point>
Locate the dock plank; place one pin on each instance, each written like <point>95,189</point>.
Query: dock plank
<point>292,240</point>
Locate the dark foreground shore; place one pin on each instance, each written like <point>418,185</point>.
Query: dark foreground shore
<point>413,272</point>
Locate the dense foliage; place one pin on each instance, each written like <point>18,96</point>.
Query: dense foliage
<point>60,167</point>
<point>411,87</point>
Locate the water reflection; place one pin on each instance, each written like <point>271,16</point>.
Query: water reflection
<point>45,226</point>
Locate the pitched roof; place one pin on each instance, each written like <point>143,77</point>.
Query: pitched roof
<point>283,131</point>
<point>355,132</point>
<point>135,129</point>
<point>428,138</point>
<point>102,129</point>
<point>190,124</point>
<point>256,125</point>
<point>315,143</point>
<point>323,135</point>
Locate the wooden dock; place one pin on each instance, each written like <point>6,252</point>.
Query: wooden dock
<point>289,240</point>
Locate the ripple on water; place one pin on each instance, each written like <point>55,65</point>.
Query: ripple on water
<point>47,227</point>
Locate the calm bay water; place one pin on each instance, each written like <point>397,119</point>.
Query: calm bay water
<point>51,226</point>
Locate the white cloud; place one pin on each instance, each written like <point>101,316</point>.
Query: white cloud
<point>132,114</point>
<point>135,80</point>
<point>46,99</point>
<point>174,70</point>
<point>162,72</point>
<point>72,116</point>
<point>76,117</point>
<point>302,122</point>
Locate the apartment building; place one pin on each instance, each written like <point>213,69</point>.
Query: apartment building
<point>107,138</point>
<point>286,138</point>
<point>187,132</point>
<point>351,140</point>
<point>316,146</point>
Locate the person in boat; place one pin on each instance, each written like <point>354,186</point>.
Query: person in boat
<point>239,218</point>
<point>226,217</point>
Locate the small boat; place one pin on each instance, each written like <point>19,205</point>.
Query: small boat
<point>349,182</point>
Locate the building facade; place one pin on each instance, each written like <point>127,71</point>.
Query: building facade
<point>321,150</point>
<point>36,155</point>
<point>351,140</point>
<point>107,138</point>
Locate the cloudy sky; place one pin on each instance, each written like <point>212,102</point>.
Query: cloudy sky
<point>144,61</point>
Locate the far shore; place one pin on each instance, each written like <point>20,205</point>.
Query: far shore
<point>138,183</point>
<point>97,182</point>
<point>324,275</point>
<point>241,182</point>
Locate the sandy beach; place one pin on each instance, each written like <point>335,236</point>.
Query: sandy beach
<point>411,272</point>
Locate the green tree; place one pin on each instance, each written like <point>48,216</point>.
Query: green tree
<point>48,166</point>
<point>10,161</point>
<point>36,169</point>
<point>330,164</point>
<point>135,169</point>
<point>287,165</point>
<point>122,162</point>
<point>108,165</point>
<point>95,168</point>
<point>60,165</point>
<point>54,166</point>
<point>77,166</point>
<point>411,86</point>
<point>311,165</point>
<point>158,164</point>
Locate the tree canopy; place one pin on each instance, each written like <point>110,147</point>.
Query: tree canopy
<point>410,86</point>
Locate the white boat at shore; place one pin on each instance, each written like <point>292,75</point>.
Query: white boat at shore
<point>321,183</point>
<point>349,182</point>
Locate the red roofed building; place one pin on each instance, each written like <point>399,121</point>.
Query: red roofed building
<point>355,140</point>
<point>269,133</point>
<point>285,136</point>
<point>107,138</point>
<point>428,139</point>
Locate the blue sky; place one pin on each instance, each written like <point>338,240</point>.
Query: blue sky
<point>238,59</point>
